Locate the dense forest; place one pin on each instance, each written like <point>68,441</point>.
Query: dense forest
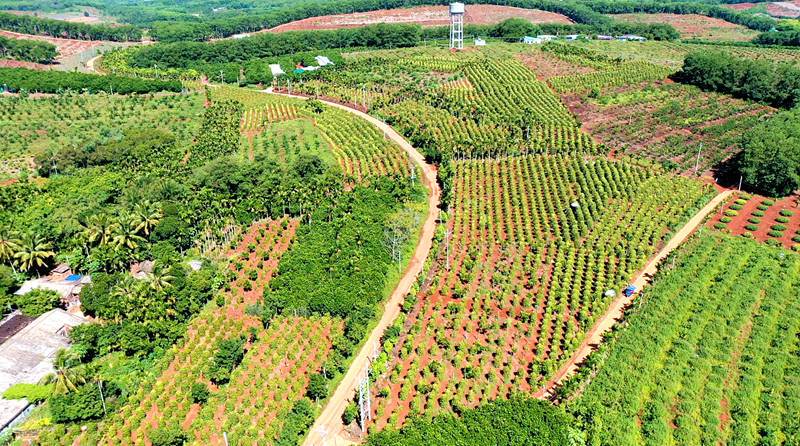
<point>777,84</point>
<point>22,79</point>
<point>58,28</point>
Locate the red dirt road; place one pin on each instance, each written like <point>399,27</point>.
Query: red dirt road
<point>329,422</point>
<point>595,336</point>
<point>423,15</point>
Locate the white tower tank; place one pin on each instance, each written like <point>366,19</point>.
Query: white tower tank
<point>456,26</point>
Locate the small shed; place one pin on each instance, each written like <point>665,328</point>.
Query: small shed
<point>631,38</point>
<point>604,37</point>
<point>572,37</point>
<point>480,42</point>
<point>546,37</point>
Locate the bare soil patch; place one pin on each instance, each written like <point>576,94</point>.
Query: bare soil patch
<point>66,47</point>
<point>784,9</point>
<point>694,26</point>
<point>547,65</point>
<point>423,15</point>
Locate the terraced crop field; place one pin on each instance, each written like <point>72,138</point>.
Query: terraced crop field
<point>709,355</point>
<point>533,245</point>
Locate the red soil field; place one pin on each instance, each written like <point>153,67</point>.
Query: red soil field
<point>784,9</point>
<point>547,65</point>
<point>771,213</point>
<point>21,64</point>
<point>740,6</point>
<point>66,47</point>
<point>693,25</point>
<point>423,15</point>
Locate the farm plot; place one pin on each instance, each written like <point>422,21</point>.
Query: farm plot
<point>602,71</point>
<point>423,15</point>
<point>285,142</point>
<point>671,54</point>
<point>270,354</point>
<point>776,222</point>
<point>710,354</point>
<point>506,110</point>
<point>73,121</point>
<point>360,149</point>
<point>533,246</point>
<point>694,26</point>
<point>669,123</point>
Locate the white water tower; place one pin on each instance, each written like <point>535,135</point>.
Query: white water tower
<point>456,26</point>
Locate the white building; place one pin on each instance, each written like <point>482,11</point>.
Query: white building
<point>27,356</point>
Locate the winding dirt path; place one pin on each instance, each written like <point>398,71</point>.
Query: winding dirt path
<point>328,428</point>
<point>595,336</point>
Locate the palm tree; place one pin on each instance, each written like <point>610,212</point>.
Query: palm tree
<point>99,229</point>
<point>68,374</point>
<point>160,279</point>
<point>145,217</point>
<point>33,252</point>
<point>9,245</point>
<point>126,235</point>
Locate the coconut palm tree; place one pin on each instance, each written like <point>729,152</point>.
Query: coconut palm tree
<point>145,217</point>
<point>9,245</point>
<point>98,229</point>
<point>68,374</point>
<point>160,279</point>
<point>33,252</point>
<point>126,235</point>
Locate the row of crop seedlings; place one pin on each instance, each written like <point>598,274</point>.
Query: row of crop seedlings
<point>528,275</point>
<point>256,119</point>
<point>167,399</point>
<point>721,367</point>
<point>508,90</point>
<point>625,74</point>
<point>362,150</point>
<point>272,376</point>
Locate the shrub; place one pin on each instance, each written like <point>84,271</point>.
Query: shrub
<point>768,202</point>
<point>776,234</point>
<point>726,219</point>
<point>82,404</point>
<point>758,213</point>
<point>168,436</point>
<point>200,393</point>
<point>779,227</point>
<point>762,207</point>
<point>786,212</point>
<point>747,234</point>
<point>350,414</point>
<point>751,227</point>
<point>731,213</point>
<point>34,393</point>
<point>796,238</point>
<point>773,242</point>
<point>741,201</point>
<point>737,207</point>
<point>782,219</point>
<point>37,302</point>
<point>230,353</point>
<point>754,220</point>
<point>719,225</point>
<point>317,387</point>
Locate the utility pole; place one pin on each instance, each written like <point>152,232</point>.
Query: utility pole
<point>102,398</point>
<point>447,249</point>
<point>741,177</point>
<point>697,163</point>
